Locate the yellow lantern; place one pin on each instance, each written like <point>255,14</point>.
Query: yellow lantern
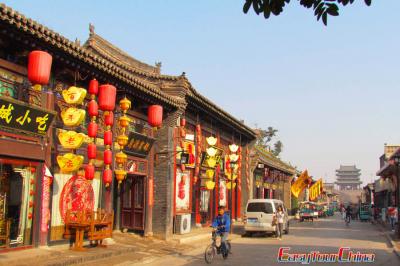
<point>71,139</point>
<point>211,162</point>
<point>210,185</point>
<point>121,158</point>
<point>233,148</point>
<point>74,95</point>
<point>211,151</point>
<point>69,162</point>
<point>233,157</point>
<point>210,173</point>
<point>124,121</point>
<point>211,141</point>
<point>229,185</point>
<point>120,175</point>
<point>125,104</point>
<point>73,116</point>
<point>122,140</point>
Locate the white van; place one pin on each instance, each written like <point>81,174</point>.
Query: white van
<point>259,214</point>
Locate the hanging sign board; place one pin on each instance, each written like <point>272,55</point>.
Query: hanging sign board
<point>20,116</point>
<point>315,190</point>
<point>138,145</point>
<point>211,161</point>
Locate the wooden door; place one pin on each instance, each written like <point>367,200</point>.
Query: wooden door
<point>133,203</point>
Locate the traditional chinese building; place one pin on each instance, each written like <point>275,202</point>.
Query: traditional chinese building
<point>174,173</point>
<point>348,177</point>
<point>271,176</point>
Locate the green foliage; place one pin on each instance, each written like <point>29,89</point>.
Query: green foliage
<point>277,148</point>
<point>322,8</point>
<point>264,137</point>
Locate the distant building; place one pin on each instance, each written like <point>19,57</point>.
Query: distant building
<point>348,177</point>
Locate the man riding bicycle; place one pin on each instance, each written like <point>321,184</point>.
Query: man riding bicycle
<point>348,213</point>
<point>222,224</point>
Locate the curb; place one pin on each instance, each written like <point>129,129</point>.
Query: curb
<point>390,240</point>
<point>94,257</point>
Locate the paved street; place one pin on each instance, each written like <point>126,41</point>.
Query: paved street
<point>324,235</point>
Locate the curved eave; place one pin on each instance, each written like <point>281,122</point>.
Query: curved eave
<point>207,106</point>
<point>28,26</point>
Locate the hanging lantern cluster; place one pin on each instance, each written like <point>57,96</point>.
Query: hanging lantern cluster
<point>155,115</point>
<point>93,110</point>
<point>239,170</point>
<point>198,153</point>
<point>232,166</point>
<point>122,139</point>
<point>106,100</point>
<point>185,147</point>
<point>39,68</point>
<point>211,161</point>
<point>72,117</point>
<point>248,169</point>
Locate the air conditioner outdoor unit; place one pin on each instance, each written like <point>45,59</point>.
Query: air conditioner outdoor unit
<point>182,224</point>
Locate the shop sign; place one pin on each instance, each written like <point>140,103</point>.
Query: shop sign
<point>187,155</point>
<point>138,145</point>
<point>316,190</point>
<point>17,115</point>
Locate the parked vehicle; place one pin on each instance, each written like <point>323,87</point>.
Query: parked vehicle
<point>259,216</point>
<point>365,212</point>
<point>308,211</point>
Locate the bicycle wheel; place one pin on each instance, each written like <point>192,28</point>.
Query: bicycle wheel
<point>209,253</point>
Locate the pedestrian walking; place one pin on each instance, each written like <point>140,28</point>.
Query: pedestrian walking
<point>279,222</point>
<point>343,212</point>
<point>392,212</point>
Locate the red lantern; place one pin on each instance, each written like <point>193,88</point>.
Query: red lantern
<point>93,87</point>
<point>91,151</point>
<point>39,67</point>
<point>107,157</point>
<point>92,129</point>
<point>107,137</point>
<point>107,95</point>
<point>93,108</point>
<point>155,115</point>
<point>183,122</point>
<point>89,172</point>
<point>107,177</point>
<point>183,133</point>
<point>198,128</point>
<point>109,119</point>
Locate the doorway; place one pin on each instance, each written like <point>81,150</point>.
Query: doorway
<point>132,203</point>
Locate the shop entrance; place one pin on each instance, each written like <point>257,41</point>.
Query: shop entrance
<point>17,194</point>
<point>132,203</point>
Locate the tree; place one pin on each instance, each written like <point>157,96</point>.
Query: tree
<point>277,148</point>
<point>264,137</point>
<point>322,8</point>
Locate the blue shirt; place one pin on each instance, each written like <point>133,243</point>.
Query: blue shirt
<point>222,220</point>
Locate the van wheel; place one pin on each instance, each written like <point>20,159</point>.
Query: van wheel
<point>287,229</point>
<point>247,234</point>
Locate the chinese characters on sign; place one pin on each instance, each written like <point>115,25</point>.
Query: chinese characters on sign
<point>138,145</point>
<point>20,116</point>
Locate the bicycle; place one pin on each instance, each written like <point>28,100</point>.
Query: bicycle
<point>347,219</point>
<point>213,249</point>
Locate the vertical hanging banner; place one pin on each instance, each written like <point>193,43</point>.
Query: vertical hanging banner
<point>46,182</point>
<point>300,184</point>
<point>316,189</point>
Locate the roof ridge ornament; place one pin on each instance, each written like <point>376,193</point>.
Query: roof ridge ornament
<point>91,29</point>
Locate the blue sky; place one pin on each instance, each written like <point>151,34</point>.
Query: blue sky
<point>331,91</point>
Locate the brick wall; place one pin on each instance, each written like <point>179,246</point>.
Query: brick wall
<point>163,178</point>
